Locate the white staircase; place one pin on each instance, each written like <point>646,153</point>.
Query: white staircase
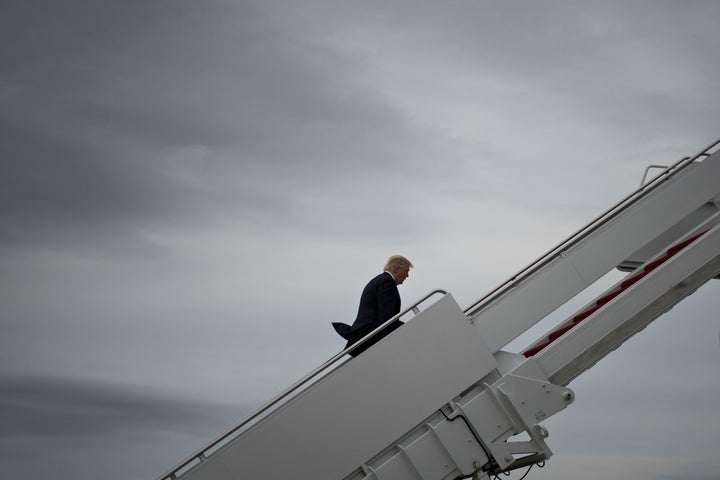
<point>439,399</point>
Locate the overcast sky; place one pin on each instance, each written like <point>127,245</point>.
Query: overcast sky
<point>191,192</point>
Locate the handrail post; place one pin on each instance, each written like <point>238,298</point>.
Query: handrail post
<point>647,170</point>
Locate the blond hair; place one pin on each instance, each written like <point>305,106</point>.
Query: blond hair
<point>398,260</point>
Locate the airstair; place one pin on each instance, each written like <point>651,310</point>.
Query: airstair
<point>439,399</point>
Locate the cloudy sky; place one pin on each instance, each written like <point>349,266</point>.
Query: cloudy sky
<point>192,191</point>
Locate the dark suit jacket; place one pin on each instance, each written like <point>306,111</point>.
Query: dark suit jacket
<point>380,301</point>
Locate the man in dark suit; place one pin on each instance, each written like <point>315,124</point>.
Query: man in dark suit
<point>379,302</point>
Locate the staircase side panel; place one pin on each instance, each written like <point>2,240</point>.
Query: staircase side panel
<point>362,407</point>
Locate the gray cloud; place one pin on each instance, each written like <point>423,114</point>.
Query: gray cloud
<point>75,409</point>
<point>196,191</point>
<point>690,471</point>
<point>68,427</point>
<point>105,138</point>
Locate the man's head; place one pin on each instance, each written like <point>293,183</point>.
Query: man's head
<point>399,266</point>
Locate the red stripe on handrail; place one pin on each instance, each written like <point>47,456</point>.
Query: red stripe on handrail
<point>608,297</point>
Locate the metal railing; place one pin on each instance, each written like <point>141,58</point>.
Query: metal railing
<point>285,395</point>
<point>587,230</point>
